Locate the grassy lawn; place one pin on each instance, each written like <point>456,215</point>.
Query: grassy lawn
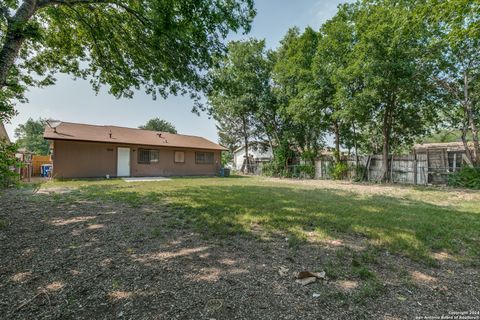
<point>416,222</point>
<point>230,248</point>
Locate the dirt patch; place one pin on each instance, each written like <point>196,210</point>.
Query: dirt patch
<point>63,258</point>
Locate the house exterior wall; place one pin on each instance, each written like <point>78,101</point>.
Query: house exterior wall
<point>259,154</point>
<point>73,159</point>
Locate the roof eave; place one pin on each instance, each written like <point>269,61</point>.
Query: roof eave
<point>135,144</point>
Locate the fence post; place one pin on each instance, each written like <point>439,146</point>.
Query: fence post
<point>428,169</point>
<point>415,168</point>
<point>391,168</point>
<point>321,169</point>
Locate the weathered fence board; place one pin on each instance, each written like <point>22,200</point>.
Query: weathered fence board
<point>418,169</point>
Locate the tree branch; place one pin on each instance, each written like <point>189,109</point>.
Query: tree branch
<point>5,12</point>
<point>44,3</point>
<point>134,13</point>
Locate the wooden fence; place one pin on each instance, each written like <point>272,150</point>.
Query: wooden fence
<point>421,168</point>
<point>37,162</point>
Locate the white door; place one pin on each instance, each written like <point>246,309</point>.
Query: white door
<point>123,162</point>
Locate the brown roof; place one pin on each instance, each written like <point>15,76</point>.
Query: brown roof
<point>94,133</point>
<point>3,132</point>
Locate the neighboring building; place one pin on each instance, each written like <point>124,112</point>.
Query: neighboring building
<point>86,151</point>
<point>258,153</point>
<point>3,132</point>
<point>443,155</point>
<point>441,159</point>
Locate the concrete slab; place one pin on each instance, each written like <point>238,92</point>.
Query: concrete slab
<point>145,179</point>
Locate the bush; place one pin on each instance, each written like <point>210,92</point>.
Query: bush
<point>467,177</point>
<point>338,170</point>
<point>268,169</point>
<point>274,169</point>
<point>359,172</point>
<point>8,162</point>
<point>304,171</point>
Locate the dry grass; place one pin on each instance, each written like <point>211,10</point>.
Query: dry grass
<point>201,248</point>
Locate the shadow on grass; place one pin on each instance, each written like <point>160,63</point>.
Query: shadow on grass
<point>126,250</point>
<point>413,228</point>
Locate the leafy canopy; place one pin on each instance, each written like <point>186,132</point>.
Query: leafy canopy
<point>30,136</point>
<point>158,124</point>
<point>162,46</point>
<point>240,88</point>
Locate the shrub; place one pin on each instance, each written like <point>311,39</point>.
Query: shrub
<point>359,172</point>
<point>305,171</point>
<point>338,170</point>
<point>467,177</point>
<point>268,169</point>
<point>8,162</point>
<point>274,169</point>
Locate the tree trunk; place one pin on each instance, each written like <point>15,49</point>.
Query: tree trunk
<point>386,143</point>
<point>269,137</point>
<point>475,154</point>
<point>245,136</point>
<point>465,143</point>
<point>270,143</point>
<point>336,131</point>
<point>14,38</point>
<point>355,144</point>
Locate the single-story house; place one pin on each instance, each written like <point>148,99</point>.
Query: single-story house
<point>3,133</point>
<point>258,153</point>
<point>87,151</point>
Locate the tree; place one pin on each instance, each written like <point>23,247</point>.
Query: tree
<point>7,162</point>
<point>30,136</point>
<point>240,86</point>
<point>229,132</point>
<point>157,124</point>
<point>161,46</point>
<point>397,99</point>
<point>333,54</point>
<point>303,120</point>
<point>454,50</point>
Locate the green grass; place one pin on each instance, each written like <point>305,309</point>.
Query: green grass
<point>415,222</point>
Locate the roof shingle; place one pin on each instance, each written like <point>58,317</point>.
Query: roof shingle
<point>96,133</point>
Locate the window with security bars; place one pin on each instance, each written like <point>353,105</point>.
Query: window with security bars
<point>204,157</point>
<point>179,156</point>
<point>147,156</point>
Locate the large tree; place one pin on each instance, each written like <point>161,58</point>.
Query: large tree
<point>240,87</point>
<point>157,124</point>
<point>161,46</point>
<point>304,124</point>
<point>397,97</point>
<point>333,55</point>
<point>454,47</point>
<point>30,136</point>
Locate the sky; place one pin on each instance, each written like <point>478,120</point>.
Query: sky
<point>74,100</point>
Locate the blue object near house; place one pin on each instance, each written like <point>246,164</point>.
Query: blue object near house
<point>224,172</point>
<point>45,170</point>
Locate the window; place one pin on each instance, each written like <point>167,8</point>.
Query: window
<point>147,156</point>
<point>454,161</point>
<point>204,157</point>
<point>179,156</point>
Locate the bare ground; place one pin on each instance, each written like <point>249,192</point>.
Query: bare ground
<point>90,260</point>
